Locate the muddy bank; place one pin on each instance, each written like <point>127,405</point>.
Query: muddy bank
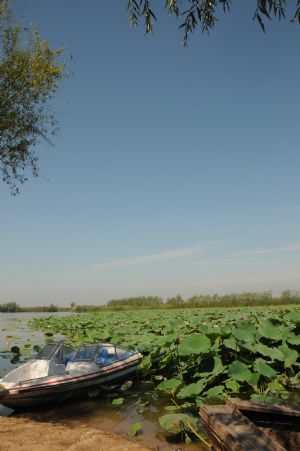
<point>18,434</point>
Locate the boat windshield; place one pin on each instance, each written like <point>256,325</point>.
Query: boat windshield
<point>48,351</point>
<point>56,351</point>
<point>85,353</point>
<point>107,354</point>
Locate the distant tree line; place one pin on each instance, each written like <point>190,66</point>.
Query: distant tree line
<point>13,307</point>
<point>140,301</point>
<point>198,301</point>
<point>246,299</point>
<point>9,307</point>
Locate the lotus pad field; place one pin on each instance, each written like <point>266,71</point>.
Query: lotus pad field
<point>200,356</point>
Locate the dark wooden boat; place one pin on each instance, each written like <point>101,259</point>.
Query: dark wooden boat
<point>60,372</point>
<point>252,426</point>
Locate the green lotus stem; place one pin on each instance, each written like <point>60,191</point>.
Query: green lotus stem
<point>198,435</point>
<point>173,400</point>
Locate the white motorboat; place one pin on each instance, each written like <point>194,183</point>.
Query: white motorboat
<point>59,371</point>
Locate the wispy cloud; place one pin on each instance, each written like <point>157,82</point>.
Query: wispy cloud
<point>149,258</point>
<point>235,256</point>
<point>217,261</point>
<point>293,247</point>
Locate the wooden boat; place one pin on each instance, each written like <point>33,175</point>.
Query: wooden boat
<point>247,426</point>
<point>60,372</point>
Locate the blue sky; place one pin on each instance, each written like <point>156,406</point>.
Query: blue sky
<point>174,171</point>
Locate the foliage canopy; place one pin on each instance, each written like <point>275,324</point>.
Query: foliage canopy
<point>30,73</point>
<point>203,13</point>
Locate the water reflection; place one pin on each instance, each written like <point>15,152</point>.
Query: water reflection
<point>99,413</point>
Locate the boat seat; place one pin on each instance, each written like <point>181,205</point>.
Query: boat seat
<point>67,358</point>
<point>102,356</point>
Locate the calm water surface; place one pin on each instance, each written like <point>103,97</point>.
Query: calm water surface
<point>97,412</point>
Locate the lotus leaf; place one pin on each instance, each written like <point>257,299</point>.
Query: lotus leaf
<point>215,392</point>
<point>194,344</point>
<point>267,398</point>
<point>135,428</point>
<point>239,371</point>
<point>232,385</point>
<point>290,355</point>
<point>294,317</point>
<point>169,385</point>
<point>245,331</point>
<point>266,351</point>
<point>254,379</point>
<point>261,366</point>
<point>210,366</point>
<point>175,422</point>
<point>126,386</point>
<point>268,330</point>
<point>117,401</point>
<point>231,344</point>
<point>192,390</point>
<point>172,408</point>
<point>293,339</point>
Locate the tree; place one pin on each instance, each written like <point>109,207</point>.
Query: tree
<point>30,72</point>
<point>203,13</point>
<point>176,301</point>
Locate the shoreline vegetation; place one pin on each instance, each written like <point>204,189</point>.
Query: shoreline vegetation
<point>246,299</point>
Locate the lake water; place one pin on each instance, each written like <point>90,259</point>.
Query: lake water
<point>97,412</point>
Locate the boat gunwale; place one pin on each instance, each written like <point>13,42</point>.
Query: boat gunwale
<point>61,381</point>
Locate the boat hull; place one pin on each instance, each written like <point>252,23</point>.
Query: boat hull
<point>37,394</point>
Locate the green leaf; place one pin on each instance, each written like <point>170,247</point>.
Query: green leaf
<point>232,385</point>
<point>261,23</point>
<point>266,351</point>
<point>245,331</point>
<point>261,366</point>
<point>211,366</point>
<point>293,316</point>
<point>172,408</point>
<point>247,345</point>
<point>290,355</point>
<point>135,428</point>
<point>175,422</point>
<point>239,371</point>
<point>117,401</point>
<point>215,392</point>
<point>169,385</point>
<point>126,386</point>
<point>194,344</point>
<point>267,398</point>
<point>145,363</point>
<point>254,379</point>
<point>294,339</point>
<point>267,330</point>
<point>231,344</point>
<point>15,350</point>
<point>295,380</point>
<point>192,390</point>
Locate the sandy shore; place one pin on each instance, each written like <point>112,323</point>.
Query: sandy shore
<point>18,434</point>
